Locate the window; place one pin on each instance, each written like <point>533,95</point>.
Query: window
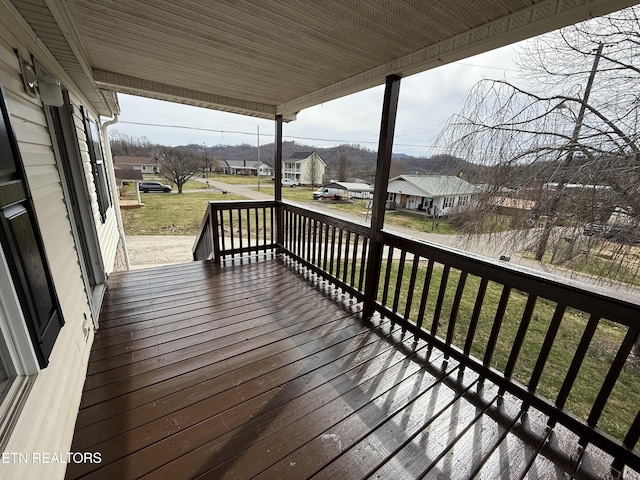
<point>448,202</point>
<point>463,201</point>
<point>97,165</point>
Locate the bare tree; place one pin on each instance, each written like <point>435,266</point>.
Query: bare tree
<point>560,148</point>
<point>129,145</point>
<point>178,166</point>
<point>314,170</point>
<point>343,168</point>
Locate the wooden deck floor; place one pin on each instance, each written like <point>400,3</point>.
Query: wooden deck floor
<point>252,371</point>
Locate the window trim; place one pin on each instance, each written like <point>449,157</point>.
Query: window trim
<point>98,167</point>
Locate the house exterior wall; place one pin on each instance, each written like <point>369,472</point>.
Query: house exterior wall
<point>47,418</point>
<point>407,195</point>
<point>108,230</point>
<point>301,170</point>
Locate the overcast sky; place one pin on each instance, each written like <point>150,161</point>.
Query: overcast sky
<point>427,100</point>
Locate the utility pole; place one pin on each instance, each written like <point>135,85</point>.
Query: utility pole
<point>258,167</point>
<point>548,226</point>
<point>205,166</point>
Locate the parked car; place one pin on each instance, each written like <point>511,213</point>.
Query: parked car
<point>287,182</point>
<point>147,187</point>
<point>328,193</point>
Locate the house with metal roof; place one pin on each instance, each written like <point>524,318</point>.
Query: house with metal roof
<point>437,195</point>
<point>246,167</point>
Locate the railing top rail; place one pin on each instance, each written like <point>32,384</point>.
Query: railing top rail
<point>564,291</point>
<point>346,224</point>
<point>227,204</point>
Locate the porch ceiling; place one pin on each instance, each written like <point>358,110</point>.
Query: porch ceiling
<point>280,56</point>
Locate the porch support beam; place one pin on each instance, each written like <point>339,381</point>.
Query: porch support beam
<point>277,188</point>
<point>383,165</point>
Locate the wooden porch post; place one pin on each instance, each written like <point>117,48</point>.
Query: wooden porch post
<point>277,188</point>
<point>385,147</point>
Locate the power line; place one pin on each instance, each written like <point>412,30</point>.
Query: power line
<point>214,130</point>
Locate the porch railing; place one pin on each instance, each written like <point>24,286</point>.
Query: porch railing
<point>482,313</point>
<point>232,229</point>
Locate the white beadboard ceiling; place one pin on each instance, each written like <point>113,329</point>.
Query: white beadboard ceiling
<point>268,57</point>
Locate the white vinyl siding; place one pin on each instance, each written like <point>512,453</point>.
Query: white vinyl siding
<point>47,419</point>
<point>108,230</point>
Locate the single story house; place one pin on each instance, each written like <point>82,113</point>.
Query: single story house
<point>245,167</point>
<point>437,195</point>
<point>144,164</point>
<point>127,175</point>
<point>354,189</point>
<point>307,168</point>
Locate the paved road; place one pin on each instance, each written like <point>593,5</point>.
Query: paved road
<point>149,250</point>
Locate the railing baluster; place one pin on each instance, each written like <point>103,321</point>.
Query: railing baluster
<point>454,309</point>
<point>545,350</point>
<point>339,252</point>
<point>576,363</point>
<point>475,316</point>
<point>630,441</point>
<point>440,301</point>
<point>356,242</point>
<point>333,249</point>
<point>239,211</point>
<point>306,238</point>
<point>272,225</point>
<point>399,277</point>
<point>326,246</point>
<point>519,340</point>
<point>231,229</point>
<point>346,256</point>
<point>612,377</point>
<point>497,323</point>
<point>315,240</point>
<point>363,263</point>
<point>221,224</point>
<point>319,244</point>
<point>387,276</point>
<point>264,229</point>
<point>412,285</point>
<point>425,294</point>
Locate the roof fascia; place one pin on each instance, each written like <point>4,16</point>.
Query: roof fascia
<point>162,91</point>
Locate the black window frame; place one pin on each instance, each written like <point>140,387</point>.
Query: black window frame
<point>98,168</point>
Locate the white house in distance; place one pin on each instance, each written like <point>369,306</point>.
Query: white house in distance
<point>245,167</point>
<point>143,164</point>
<point>438,195</point>
<point>307,168</point>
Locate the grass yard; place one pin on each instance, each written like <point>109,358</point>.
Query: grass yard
<point>130,188</point>
<point>240,179</point>
<point>295,194</point>
<point>170,214</point>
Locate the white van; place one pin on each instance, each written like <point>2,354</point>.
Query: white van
<point>329,194</point>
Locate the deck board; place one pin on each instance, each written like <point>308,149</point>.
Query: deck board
<point>252,371</point>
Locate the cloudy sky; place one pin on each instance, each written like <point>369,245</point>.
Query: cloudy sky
<point>427,100</point>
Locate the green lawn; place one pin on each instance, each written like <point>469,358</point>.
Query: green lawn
<point>295,194</point>
<point>170,214</point>
<point>240,179</point>
<point>130,188</point>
